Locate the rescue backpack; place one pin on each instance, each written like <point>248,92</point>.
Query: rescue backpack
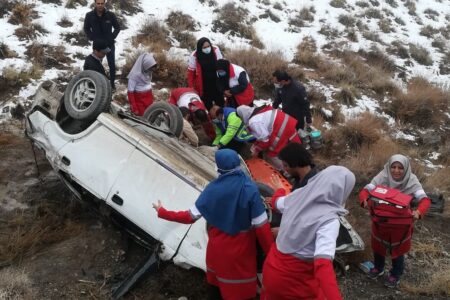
<point>391,215</point>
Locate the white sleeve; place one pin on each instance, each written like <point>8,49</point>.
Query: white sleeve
<point>369,187</point>
<point>260,220</point>
<point>420,194</point>
<point>218,53</point>
<point>192,62</point>
<point>280,204</point>
<point>131,84</point>
<point>195,213</point>
<point>259,130</point>
<point>326,238</point>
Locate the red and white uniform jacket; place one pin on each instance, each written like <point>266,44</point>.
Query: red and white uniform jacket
<point>194,72</point>
<point>243,98</point>
<point>273,130</point>
<point>186,97</point>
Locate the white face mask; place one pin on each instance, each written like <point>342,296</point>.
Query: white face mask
<point>277,85</point>
<point>206,50</point>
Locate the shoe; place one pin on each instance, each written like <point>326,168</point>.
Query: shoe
<point>374,273</point>
<point>392,281</point>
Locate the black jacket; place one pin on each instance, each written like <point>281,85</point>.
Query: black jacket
<point>295,102</point>
<point>92,63</point>
<point>97,27</point>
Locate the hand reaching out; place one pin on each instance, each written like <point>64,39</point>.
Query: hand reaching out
<point>157,206</point>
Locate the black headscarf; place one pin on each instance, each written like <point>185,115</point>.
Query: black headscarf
<point>206,60</point>
<point>223,82</point>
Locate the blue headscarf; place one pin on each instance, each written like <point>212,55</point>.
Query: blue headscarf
<point>231,201</point>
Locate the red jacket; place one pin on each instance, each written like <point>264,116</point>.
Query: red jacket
<point>175,95</point>
<point>194,74</point>
<point>283,132</point>
<point>247,96</point>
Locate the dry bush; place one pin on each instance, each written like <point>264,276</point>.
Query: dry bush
<point>22,14</point>
<point>49,56</point>
<point>370,159</point>
<point>5,52</point>
<point>77,38</point>
<point>170,71</point>
<point>305,15</point>
<point>439,180</point>
<point>278,6</point>
<point>376,57</point>
<point>74,3</point>
<point>444,66</point>
<point>428,31</point>
<point>329,31</point>
<point>392,3</point>
<point>179,21</point>
<point>65,21</point>
<point>362,4</point>
<point>306,53</point>
<point>346,95</point>
<point>399,21</point>
<point>15,285</point>
<point>30,32</point>
<point>347,20</point>
<point>411,6</point>
<point>423,104</point>
<point>445,31</point>
<point>352,35</point>
<point>431,14</point>
<point>6,7</point>
<point>187,40</point>
<point>153,33</point>
<point>386,25</point>
<point>440,44</point>
<point>372,36</point>
<point>436,285</point>
<point>268,14</point>
<point>398,49</point>
<point>338,3</point>
<point>420,54</point>
<point>13,77</point>
<point>364,130</point>
<point>259,67</point>
<point>52,1</point>
<point>127,7</point>
<point>373,13</point>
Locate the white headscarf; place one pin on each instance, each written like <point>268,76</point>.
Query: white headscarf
<point>308,208</point>
<point>244,112</point>
<point>409,184</point>
<point>143,63</point>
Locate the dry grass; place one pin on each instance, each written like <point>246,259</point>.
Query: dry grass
<point>431,14</point>
<point>186,39</point>
<point>49,56</point>
<point>259,66</point>
<point>179,21</point>
<point>362,4</point>
<point>392,3</point>
<point>6,7</point>
<point>428,31</point>
<point>74,3</point>
<point>444,66</point>
<point>398,49</point>
<point>15,285</point>
<point>423,104</point>
<point>65,21</point>
<point>5,52</point>
<point>439,180</point>
<point>30,32</point>
<point>338,3</point>
<point>440,44</point>
<point>373,13</point>
<point>12,77</point>
<point>437,285</point>
<point>346,95</point>
<point>364,130</point>
<point>411,6</point>
<point>305,15</point>
<point>76,38</point>
<point>375,57</point>
<point>268,14</point>
<point>22,14</point>
<point>306,54</point>
<point>127,7</point>
<point>386,25</point>
<point>347,20</point>
<point>170,71</point>
<point>153,33</point>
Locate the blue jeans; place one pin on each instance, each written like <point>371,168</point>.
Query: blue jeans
<point>398,264</point>
<point>112,65</point>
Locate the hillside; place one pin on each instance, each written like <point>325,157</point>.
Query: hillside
<point>377,74</point>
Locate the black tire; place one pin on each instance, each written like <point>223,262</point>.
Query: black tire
<point>165,116</point>
<point>87,95</point>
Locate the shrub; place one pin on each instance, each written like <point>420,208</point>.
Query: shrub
<point>445,31</point>
<point>15,284</point>
<point>127,7</point>
<point>423,104</point>
<point>187,40</point>
<point>77,38</point>
<point>363,4</point>
<point>428,31</point>
<point>306,54</point>
<point>411,6</point>
<point>398,49</point>
<point>154,33</point>
<point>170,71</point>
<point>259,67</point>
<point>30,31</point>
<point>65,21</point>
<point>374,2</point>
<point>329,31</point>
<point>5,52</point>
<point>373,13</point>
<point>278,6</point>
<point>352,35</point>
<point>179,21</point>
<point>307,14</point>
<point>439,43</point>
<point>444,66</point>
<point>338,3</point>
<point>74,3</point>
<point>346,95</point>
<point>22,14</point>
<point>392,3</point>
<point>431,13</point>
<point>347,20</point>
<point>52,1</point>
<point>376,57</point>
<point>13,77</point>
<point>420,54</point>
<point>6,7</point>
<point>372,36</point>
<point>366,129</point>
<point>270,15</point>
<point>399,21</point>
<point>386,25</point>
<point>49,56</point>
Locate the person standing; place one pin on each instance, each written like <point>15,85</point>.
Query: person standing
<point>201,73</point>
<point>94,60</point>
<point>102,24</point>
<point>292,95</point>
<point>236,218</point>
<point>140,93</point>
<point>234,84</point>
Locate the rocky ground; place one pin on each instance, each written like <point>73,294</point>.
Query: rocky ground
<point>52,246</point>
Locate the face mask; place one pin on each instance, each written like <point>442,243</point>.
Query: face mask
<point>221,73</point>
<point>206,50</point>
<point>277,85</point>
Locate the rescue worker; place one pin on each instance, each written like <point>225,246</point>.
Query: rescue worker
<point>189,98</point>
<point>292,95</point>
<point>201,73</point>
<point>300,263</point>
<point>272,128</point>
<point>234,84</point>
<point>236,217</point>
<point>395,174</point>
<point>140,93</point>
<point>230,131</point>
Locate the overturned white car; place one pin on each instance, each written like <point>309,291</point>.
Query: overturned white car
<point>124,163</point>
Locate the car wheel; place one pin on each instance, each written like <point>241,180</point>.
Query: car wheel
<point>87,95</point>
<point>165,116</point>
